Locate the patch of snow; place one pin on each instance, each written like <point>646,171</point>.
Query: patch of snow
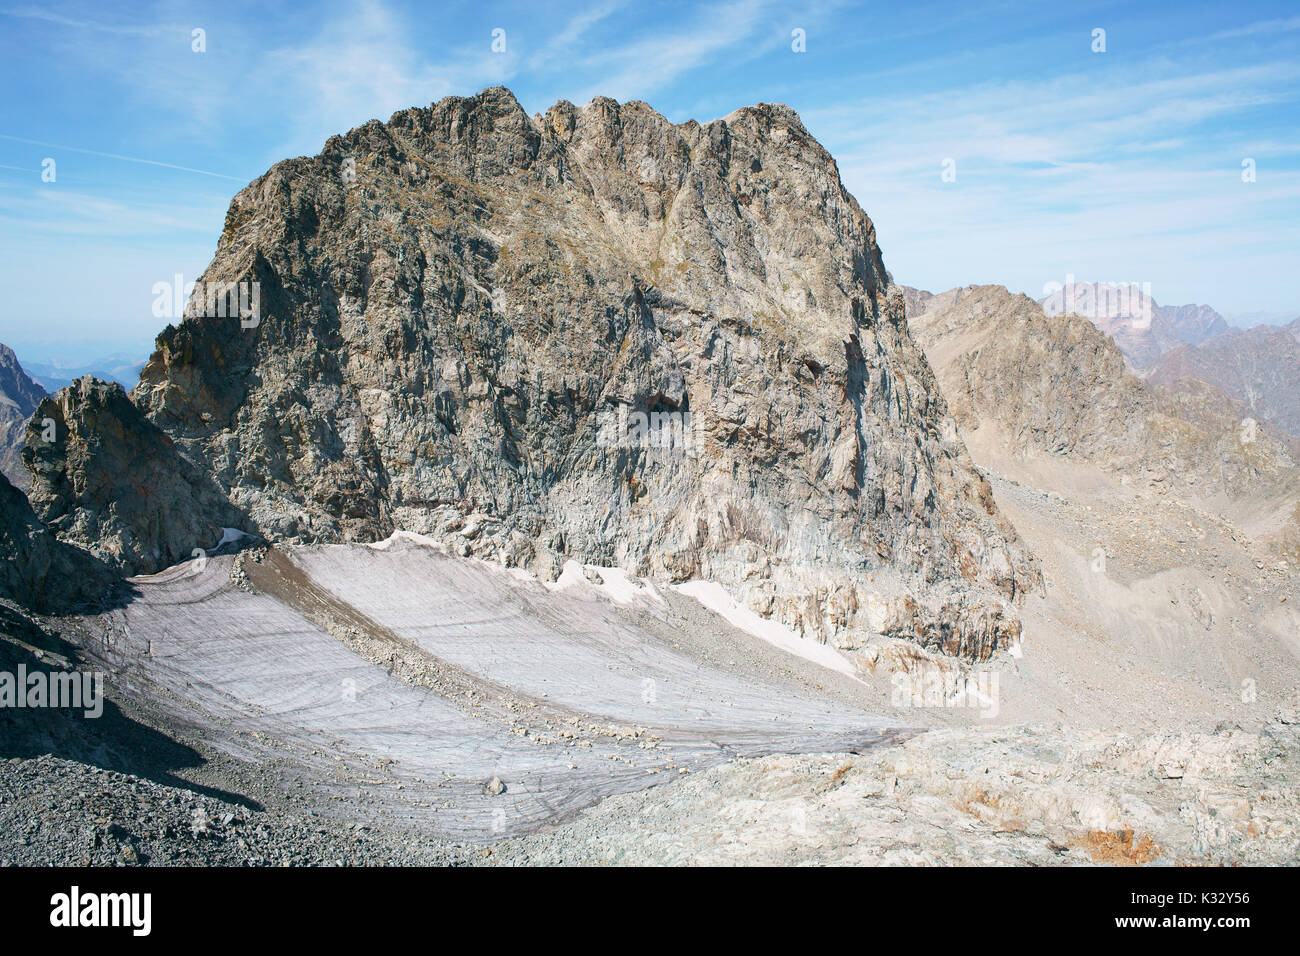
<point>408,536</point>
<point>570,576</point>
<point>619,588</point>
<point>228,536</point>
<point>716,599</point>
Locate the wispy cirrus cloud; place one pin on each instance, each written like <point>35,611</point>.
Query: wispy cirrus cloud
<point>559,48</point>
<point>65,212</point>
<point>362,65</point>
<point>1117,166</point>
<point>1259,28</point>
<point>53,18</point>
<point>638,68</point>
<point>125,159</point>
<point>1065,175</point>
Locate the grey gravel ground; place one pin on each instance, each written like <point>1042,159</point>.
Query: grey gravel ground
<point>56,812</point>
<point>117,790</point>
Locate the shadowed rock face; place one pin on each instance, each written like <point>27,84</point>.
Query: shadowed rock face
<point>40,572</point>
<point>114,482</point>
<point>19,396</point>
<point>463,314</point>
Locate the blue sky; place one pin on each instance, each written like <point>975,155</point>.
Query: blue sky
<point>1115,166</point>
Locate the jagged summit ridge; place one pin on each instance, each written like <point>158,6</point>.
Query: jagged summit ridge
<point>453,302</point>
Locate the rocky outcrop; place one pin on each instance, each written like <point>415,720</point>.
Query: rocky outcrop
<point>114,483</point>
<point>19,396</point>
<point>915,301</point>
<point>593,334</point>
<point>40,572</point>
<point>1055,383</point>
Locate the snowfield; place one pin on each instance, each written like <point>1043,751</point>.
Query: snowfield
<point>462,699</point>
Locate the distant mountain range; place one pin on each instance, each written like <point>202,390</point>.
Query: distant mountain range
<point>53,376</point>
<point>1143,329</point>
<point>1059,385</point>
<point>1259,366</point>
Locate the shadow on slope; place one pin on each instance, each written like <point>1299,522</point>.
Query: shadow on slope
<point>112,741</point>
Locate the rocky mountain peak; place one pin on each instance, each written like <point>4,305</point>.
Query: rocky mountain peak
<point>16,387</point>
<point>1259,366</point>
<point>593,334</point>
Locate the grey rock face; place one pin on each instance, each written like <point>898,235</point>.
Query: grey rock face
<point>19,396</point>
<point>477,325</point>
<point>915,300</point>
<point>40,572</point>
<point>1194,324</point>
